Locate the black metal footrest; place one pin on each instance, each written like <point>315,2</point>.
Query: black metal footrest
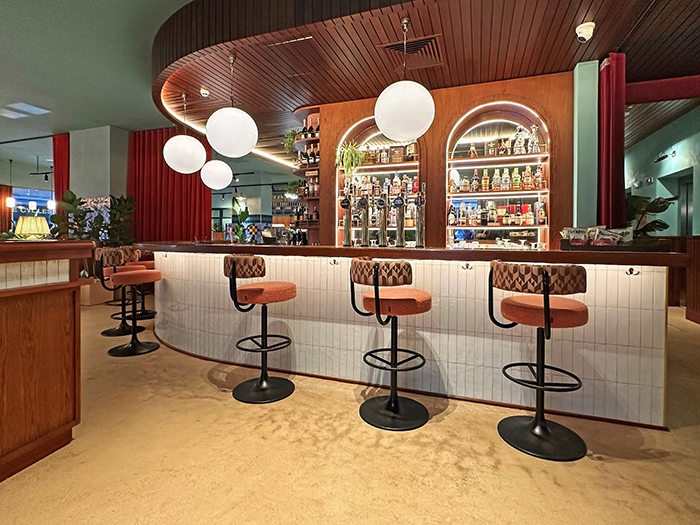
<point>282,342</point>
<point>373,356</point>
<point>548,386</point>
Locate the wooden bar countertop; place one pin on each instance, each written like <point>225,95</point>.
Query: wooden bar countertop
<point>456,254</point>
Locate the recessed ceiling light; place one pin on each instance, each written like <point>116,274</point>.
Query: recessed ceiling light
<point>11,114</point>
<point>28,108</point>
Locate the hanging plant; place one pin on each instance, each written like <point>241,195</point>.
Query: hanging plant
<point>289,139</point>
<point>350,157</point>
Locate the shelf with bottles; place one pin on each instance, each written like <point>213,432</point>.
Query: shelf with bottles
<point>503,180</point>
<point>386,169</point>
<point>480,213</point>
<point>310,132</point>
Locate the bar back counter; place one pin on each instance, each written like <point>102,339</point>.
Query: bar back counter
<point>39,349</point>
<point>620,354</point>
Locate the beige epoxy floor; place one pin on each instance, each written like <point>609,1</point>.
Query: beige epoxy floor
<point>162,441</point>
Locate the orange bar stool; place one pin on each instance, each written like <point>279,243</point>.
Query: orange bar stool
<point>264,389</point>
<point>392,412</point>
<point>108,261</point>
<point>542,308</point>
<point>144,313</point>
<point>133,279</point>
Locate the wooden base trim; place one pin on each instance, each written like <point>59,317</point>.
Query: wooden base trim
<point>32,452</point>
<point>692,315</point>
<point>419,392</point>
<point>43,288</point>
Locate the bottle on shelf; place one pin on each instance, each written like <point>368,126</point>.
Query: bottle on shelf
<point>471,215</point>
<point>505,179</point>
<point>315,215</point>
<point>462,220</point>
<point>384,156</point>
<point>483,215</point>
<point>517,181</point>
<point>485,181</point>
<point>317,133</point>
<point>476,182</point>
<point>386,187</point>
<point>395,185</point>
<point>464,185</point>
<point>539,175</point>
<point>451,215</point>
<point>472,152</point>
<point>304,131</point>
<point>311,155</point>
<point>415,185</point>
<point>518,217</point>
<point>492,214</point>
<point>451,186</point>
<point>527,179</point>
<point>496,180</point>
<point>506,218</point>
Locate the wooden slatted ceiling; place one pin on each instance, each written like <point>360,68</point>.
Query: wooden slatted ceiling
<point>641,120</point>
<point>480,41</point>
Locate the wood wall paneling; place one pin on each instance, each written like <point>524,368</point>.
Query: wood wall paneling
<point>39,373</point>
<point>692,290</point>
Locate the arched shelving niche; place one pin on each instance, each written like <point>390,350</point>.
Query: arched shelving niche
<point>390,168</point>
<point>498,177</point>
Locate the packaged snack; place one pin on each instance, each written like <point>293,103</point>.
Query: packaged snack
<point>576,236</point>
<point>606,238</point>
<point>626,234</point>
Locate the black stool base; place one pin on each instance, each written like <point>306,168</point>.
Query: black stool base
<point>553,441</point>
<point>409,416</point>
<point>257,391</point>
<point>120,331</point>
<point>133,348</point>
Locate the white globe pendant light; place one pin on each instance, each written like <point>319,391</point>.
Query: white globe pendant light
<point>231,131</point>
<point>216,174</point>
<point>183,153</point>
<point>405,110</point>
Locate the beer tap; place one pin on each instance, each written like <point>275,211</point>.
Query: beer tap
<point>364,219</point>
<point>420,217</point>
<point>400,204</point>
<point>346,204</point>
<point>382,207</point>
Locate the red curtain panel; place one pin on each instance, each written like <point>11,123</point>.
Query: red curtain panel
<point>169,206</point>
<point>5,212</point>
<point>61,165</point>
<point>612,208</point>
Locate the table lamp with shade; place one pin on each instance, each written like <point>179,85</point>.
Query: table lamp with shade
<point>32,227</point>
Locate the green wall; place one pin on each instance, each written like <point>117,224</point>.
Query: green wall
<point>585,196</point>
<point>681,136</point>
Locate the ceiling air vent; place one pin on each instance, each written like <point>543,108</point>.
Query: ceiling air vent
<point>420,52</point>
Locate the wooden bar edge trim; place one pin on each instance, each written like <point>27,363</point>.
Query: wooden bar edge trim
<point>30,453</point>
<point>692,315</point>
<point>41,288</point>
<point>418,392</point>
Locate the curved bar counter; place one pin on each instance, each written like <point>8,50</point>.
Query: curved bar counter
<point>620,354</point>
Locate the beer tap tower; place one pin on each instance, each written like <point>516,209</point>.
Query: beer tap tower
<point>382,207</point>
<point>420,217</point>
<point>400,204</point>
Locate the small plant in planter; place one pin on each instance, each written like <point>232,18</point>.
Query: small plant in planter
<point>350,157</point>
<point>289,138</point>
<point>639,207</point>
<point>217,232</point>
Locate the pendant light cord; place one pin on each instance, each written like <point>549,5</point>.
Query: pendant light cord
<point>232,60</point>
<point>184,108</point>
<point>404,26</point>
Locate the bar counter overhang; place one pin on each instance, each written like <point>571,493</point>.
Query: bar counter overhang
<point>620,354</point>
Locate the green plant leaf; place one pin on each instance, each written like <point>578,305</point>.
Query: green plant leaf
<point>660,204</point>
<point>656,225</point>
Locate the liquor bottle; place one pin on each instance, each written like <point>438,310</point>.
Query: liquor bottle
<point>451,186</point>
<point>537,179</point>
<point>300,159</point>
<point>496,180</point>
<point>392,217</point>
<point>415,185</point>
<point>317,152</point>
<point>505,179</point>
<point>406,184</point>
<point>485,181</point>
<point>517,186</point>
<point>493,214</point>
<point>462,220</point>
<point>492,149</point>
<point>476,183</point>
<point>451,215</point>
<point>518,217</point>
<point>395,185</point>
<point>483,215</point>
<point>472,152</point>
<point>541,214</point>
<point>318,130</point>
<point>377,187</point>
<point>541,176</point>
<point>506,218</point>
<point>464,185</point>
<point>471,215</point>
<point>304,131</point>
<point>384,157</point>
<point>527,178</point>
<point>387,186</point>
<point>312,157</point>
<point>314,215</point>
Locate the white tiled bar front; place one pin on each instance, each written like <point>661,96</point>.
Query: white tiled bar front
<point>620,354</point>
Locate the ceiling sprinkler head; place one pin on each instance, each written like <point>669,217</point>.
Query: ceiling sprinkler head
<point>584,32</point>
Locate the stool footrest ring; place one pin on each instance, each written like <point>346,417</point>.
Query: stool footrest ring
<point>549,386</point>
<point>282,341</point>
<point>376,356</point>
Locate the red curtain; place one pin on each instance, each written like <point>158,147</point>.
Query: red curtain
<point>61,165</point>
<point>169,206</point>
<point>5,212</point>
<point>612,207</point>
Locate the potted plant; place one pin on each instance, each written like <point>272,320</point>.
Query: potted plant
<point>239,208</point>
<point>639,207</point>
<point>217,232</point>
<point>350,157</point>
<point>292,188</point>
<point>289,139</point>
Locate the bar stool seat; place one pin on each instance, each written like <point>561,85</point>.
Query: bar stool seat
<point>528,310</point>
<point>134,278</point>
<point>121,315</point>
<point>398,301</point>
<point>266,292</point>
